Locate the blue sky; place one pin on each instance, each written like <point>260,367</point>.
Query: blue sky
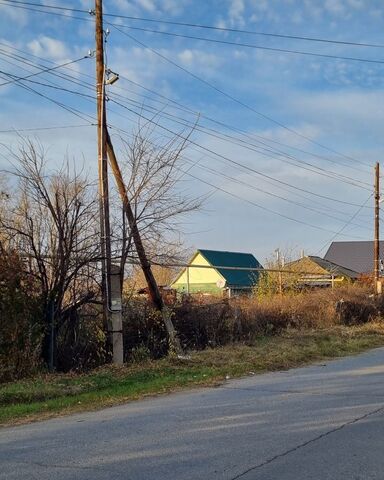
<point>336,103</point>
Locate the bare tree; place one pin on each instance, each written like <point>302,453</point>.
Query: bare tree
<point>154,182</point>
<point>51,222</point>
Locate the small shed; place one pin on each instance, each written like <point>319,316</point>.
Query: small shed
<point>216,272</point>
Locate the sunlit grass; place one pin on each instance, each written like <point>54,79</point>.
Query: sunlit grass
<point>48,395</point>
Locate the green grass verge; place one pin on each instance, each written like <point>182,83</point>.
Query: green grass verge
<point>50,395</point>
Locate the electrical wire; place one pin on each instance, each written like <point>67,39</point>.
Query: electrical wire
<point>281,156</point>
<point>65,107</point>
<point>231,139</point>
<point>189,110</point>
<point>269,210</point>
<point>345,226</point>
<point>195,76</point>
<point>253,187</point>
<point>259,138</point>
<point>231,97</point>
<point>46,70</point>
<point>226,42</point>
<point>203,181</point>
<point>37,129</point>
<point>202,26</point>
<point>253,46</point>
<point>236,162</point>
<point>72,92</point>
<point>50,99</point>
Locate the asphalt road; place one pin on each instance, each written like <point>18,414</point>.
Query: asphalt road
<point>320,422</point>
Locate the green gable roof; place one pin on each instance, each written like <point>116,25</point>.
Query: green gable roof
<point>234,278</point>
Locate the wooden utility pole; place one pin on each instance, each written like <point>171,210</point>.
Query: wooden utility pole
<point>153,289</point>
<point>112,314</point>
<point>376,249</point>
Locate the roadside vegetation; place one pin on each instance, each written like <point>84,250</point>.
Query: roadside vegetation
<point>51,308</point>
<point>47,395</point>
<point>222,340</point>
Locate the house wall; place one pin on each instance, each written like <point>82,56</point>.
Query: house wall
<point>200,279</point>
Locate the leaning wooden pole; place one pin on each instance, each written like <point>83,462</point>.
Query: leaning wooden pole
<point>153,288</point>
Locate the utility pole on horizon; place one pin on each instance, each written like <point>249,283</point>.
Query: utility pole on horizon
<point>376,248</point>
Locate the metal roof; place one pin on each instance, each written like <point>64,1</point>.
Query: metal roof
<point>357,255</point>
<point>234,278</point>
<point>333,268</point>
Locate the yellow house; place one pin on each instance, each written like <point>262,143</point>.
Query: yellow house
<point>215,272</point>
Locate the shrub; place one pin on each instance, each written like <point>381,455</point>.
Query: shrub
<point>143,328</point>
<point>219,322</point>
<point>81,341</point>
<point>20,320</point>
<point>244,318</point>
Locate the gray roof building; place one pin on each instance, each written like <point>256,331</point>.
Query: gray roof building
<point>316,272</point>
<point>356,256</point>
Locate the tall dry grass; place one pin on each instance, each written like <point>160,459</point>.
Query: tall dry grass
<point>218,322</point>
<point>244,318</point>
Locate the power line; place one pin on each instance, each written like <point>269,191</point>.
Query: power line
<point>269,210</point>
<point>217,135</point>
<point>45,70</point>
<point>231,97</point>
<point>281,187</point>
<point>281,156</point>
<point>236,162</point>
<point>211,40</point>
<point>253,187</point>
<point>203,26</point>
<point>253,136</point>
<point>36,129</point>
<point>54,7</point>
<point>38,10</point>
<point>61,105</point>
<point>72,112</point>
<point>346,224</point>
<point>183,108</point>
<point>249,32</point>
<point>246,144</point>
<point>206,82</point>
<point>23,60</point>
<point>78,94</point>
<point>253,46</point>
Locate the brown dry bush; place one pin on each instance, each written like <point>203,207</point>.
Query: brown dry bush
<point>144,333</point>
<point>244,318</point>
<point>218,322</point>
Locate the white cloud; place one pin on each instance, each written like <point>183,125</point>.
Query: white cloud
<point>135,7</point>
<point>335,7</point>
<point>199,60</point>
<point>20,17</point>
<point>236,11</point>
<point>48,47</point>
<point>148,5</point>
<point>347,119</point>
<point>220,23</point>
<point>358,4</point>
<point>174,7</point>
